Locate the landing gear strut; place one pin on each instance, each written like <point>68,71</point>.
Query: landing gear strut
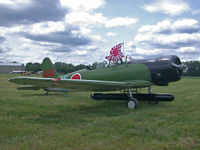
<point>132,102</point>
<point>152,101</point>
<point>150,90</point>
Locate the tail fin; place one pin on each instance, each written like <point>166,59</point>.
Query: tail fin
<point>48,69</point>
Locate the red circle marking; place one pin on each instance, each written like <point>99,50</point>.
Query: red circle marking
<point>115,51</point>
<point>76,76</point>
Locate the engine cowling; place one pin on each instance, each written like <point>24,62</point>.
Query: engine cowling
<point>164,69</point>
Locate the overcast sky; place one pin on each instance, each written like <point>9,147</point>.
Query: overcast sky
<point>84,31</point>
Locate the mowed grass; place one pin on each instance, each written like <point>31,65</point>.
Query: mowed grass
<point>32,120</point>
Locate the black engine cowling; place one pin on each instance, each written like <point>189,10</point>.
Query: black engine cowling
<point>164,69</point>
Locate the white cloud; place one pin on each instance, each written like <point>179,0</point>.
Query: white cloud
<point>83,31</point>
<point>97,19</point>
<point>7,2</point>
<point>120,21</point>
<point>15,3</point>
<point>47,27</point>
<point>82,5</point>
<point>167,7</point>
<point>180,37</point>
<point>78,35</point>
<point>81,53</point>
<point>85,18</point>
<point>186,24</point>
<point>186,50</point>
<point>166,26</point>
<point>111,34</point>
<point>159,27</point>
<point>26,52</point>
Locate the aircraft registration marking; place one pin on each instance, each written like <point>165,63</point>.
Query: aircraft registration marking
<point>48,73</point>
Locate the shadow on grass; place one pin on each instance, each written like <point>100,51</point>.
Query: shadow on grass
<point>83,114</point>
<point>42,94</point>
<point>74,111</point>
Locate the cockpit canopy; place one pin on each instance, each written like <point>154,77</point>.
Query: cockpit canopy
<point>128,59</point>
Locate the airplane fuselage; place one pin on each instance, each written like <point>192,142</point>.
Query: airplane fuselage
<point>138,74</point>
<point>159,71</point>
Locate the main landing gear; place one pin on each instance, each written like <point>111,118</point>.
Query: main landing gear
<point>152,101</point>
<point>132,102</point>
<point>132,97</point>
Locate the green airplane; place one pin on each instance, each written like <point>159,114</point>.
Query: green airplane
<point>128,76</point>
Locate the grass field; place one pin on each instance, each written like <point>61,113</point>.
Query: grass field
<point>32,120</point>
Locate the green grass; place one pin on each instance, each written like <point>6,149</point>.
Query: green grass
<point>32,120</point>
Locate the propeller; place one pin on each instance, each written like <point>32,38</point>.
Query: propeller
<point>181,67</point>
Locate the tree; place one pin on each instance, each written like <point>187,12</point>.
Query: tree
<point>193,68</point>
<point>34,67</point>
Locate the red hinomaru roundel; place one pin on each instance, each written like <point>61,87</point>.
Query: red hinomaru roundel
<point>76,76</point>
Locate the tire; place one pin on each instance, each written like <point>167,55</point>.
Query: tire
<point>132,104</point>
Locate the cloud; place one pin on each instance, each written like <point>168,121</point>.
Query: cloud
<point>32,34</point>
<point>167,7</point>
<point>120,21</point>
<point>160,27</point>
<point>167,27</point>
<point>87,19</point>
<point>82,13</point>
<point>166,37</point>
<point>30,11</point>
<point>65,30</point>
<point>80,53</point>
<point>62,37</point>
<point>61,49</point>
<point>2,39</point>
<point>186,26</point>
<point>111,34</point>
<point>4,49</point>
<point>82,5</point>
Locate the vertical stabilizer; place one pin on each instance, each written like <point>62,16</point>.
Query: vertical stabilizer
<point>48,69</point>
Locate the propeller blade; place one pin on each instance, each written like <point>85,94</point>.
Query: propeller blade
<point>181,66</point>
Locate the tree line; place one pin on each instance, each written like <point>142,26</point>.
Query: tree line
<point>60,67</point>
<point>193,67</point>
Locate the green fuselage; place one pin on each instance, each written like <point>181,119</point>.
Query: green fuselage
<point>124,72</point>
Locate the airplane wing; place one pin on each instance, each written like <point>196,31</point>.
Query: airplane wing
<point>78,85</point>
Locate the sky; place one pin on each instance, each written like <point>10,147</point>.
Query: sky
<point>84,31</point>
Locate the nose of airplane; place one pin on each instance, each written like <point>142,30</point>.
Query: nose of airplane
<point>176,64</point>
<point>165,69</point>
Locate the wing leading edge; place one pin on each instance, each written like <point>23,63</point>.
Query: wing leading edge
<point>79,85</point>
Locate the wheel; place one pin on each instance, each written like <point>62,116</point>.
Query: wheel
<point>133,103</point>
<point>153,102</point>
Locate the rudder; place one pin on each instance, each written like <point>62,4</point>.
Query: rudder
<point>48,69</point>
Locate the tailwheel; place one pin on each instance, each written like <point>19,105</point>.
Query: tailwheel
<point>47,92</point>
<point>132,103</point>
